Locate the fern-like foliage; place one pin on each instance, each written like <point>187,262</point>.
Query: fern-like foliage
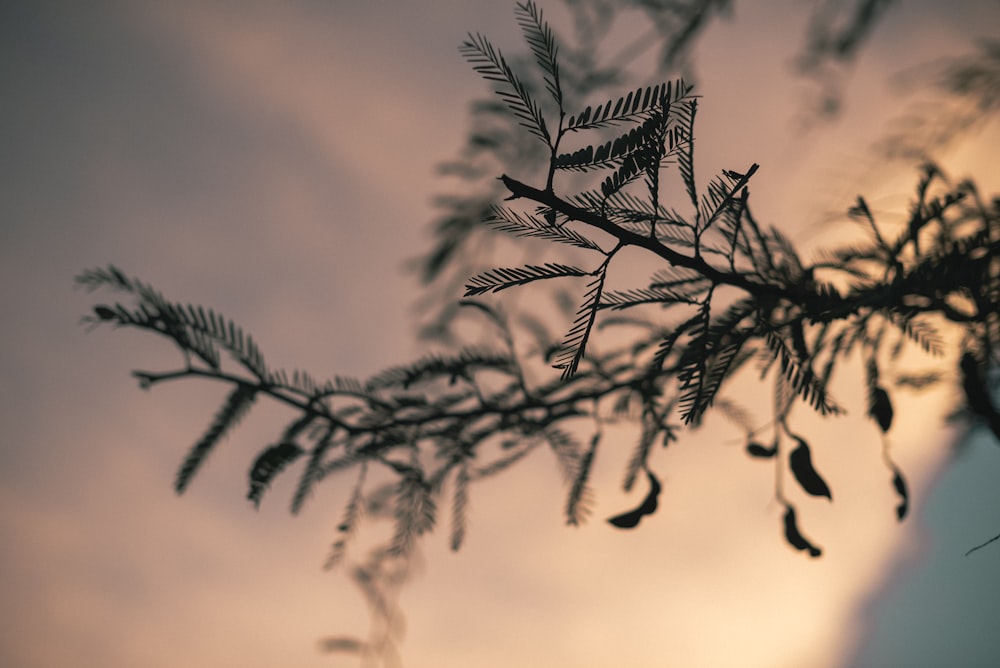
<point>313,470</point>
<point>615,152</point>
<point>434,367</point>
<point>580,495</point>
<point>491,65</point>
<point>349,523</point>
<point>634,104</point>
<point>526,225</point>
<point>195,329</point>
<point>268,465</point>
<point>685,155</point>
<point>496,280</point>
<point>568,452</point>
<point>574,346</point>
<point>711,356</point>
<point>727,294</point>
<point>621,299</point>
<point>416,513</point>
<point>459,506</point>
<point>799,376</point>
<point>235,407</point>
<point>539,36</point>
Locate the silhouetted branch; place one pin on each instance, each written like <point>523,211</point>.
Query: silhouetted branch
<point>728,294</point>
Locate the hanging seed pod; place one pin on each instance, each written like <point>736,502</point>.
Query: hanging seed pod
<point>802,468</point>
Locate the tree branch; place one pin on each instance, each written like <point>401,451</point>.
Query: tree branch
<point>627,238</point>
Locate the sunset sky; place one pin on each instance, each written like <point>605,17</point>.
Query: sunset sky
<point>276,161</point>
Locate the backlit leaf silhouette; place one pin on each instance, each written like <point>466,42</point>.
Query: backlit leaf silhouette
<point>491,65</point>
<point>629,106</point>
<point>525,225</point>
<point>614,152</point>
<point>539,36</point>
<point>880,408</point>
<point>795,537</point>
<point>269,464</point>
<point>496,280</point>
<point>580,496</point>
<point>236,406</point>
<point>800,461</point>
<point>899,483</point>
<point>761,451</point>
<point>727,298</point>
<point>574,346</point>
<point>630,519</point>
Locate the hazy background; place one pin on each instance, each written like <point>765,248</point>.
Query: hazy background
<point>276,161</point>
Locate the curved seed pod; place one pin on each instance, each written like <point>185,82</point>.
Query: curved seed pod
<point>975,389</point>
<point>761,451</point>
<point>650,503</point>
<point>627,520</point>
<point>630,519</point>
<point>794,538</point>
<point>880,408</point>
<point>801,464</point>
<point>904,499</point>
<point>104,312</point>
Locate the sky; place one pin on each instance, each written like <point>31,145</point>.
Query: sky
<point>276,161</point>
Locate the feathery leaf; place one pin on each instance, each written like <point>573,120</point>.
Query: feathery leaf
<point>235,407</point>
<point>568,451</point>
<point>574,346</point>
<point>269,464</point>
<point>492,66</point>
<point>522,225</point>
<point>579,500</point>
<point>542,41</point>
<point>501,278</point>
<point>800,377</point>
<point>638,140</point>
<point>312,472</point>
<point>637,102</point>
<point>415,513</point>
<point>459,506</point>
<point>684,141</point>
<point>622,299</point>
<point>349,521</point>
